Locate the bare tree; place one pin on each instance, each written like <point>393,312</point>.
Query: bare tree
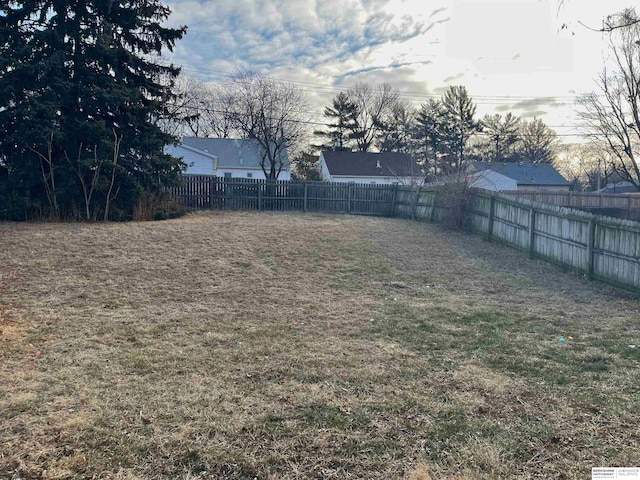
<point>47,169</point>
<point>270,112</point>
<point>88,173</point>
<point>373,111</point>
<point>213,114</point>
<point>612,113</point>
<point>586,165</point>
<point>197,108</point>
<point>117,142</point>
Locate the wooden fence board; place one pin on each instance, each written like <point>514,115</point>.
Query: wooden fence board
<point>580,199</point>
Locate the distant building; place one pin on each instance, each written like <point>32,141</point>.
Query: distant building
<point>524,176</point>
<point>365,167</point>
<point>225,157</point>
<point>619,187</point>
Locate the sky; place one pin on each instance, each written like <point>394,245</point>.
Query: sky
<point>511,55</point>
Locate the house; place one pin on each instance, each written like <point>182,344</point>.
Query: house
<point>225,157</point>
<point>523,176</point>
<point>619,187</point>
<point>365,167</point>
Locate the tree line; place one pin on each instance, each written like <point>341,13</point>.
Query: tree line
<point>443,135</point>
<point>87,106</point>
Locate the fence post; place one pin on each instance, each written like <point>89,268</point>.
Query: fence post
<point>532,232</point>
<point>393,200</point>
<point>591,238</point>
<point>305,196</point>
<point>415,204</point>
<point>212,186</point>
<point>432,217</point>
<point>260,195</point>
<point>349,198</point>
<point>492,209</point>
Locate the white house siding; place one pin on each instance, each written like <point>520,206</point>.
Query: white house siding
<point>242,173</point>
<point>490,180</point>
<point>376,180</point>
<point>324,171</point>
<point>197,164</point>
<point>543,188</point>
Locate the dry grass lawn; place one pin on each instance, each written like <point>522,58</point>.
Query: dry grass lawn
<point>280,346</point>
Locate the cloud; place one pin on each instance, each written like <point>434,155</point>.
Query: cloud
<point>454,78</point>
<point>263,35</point>
<point>419,47</point>
<point>393,66</point>
<point>529,108</point>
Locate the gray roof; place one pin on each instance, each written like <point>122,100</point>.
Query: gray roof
<point>367,164</point>
<point>525,173</point>
<point>232,152</point>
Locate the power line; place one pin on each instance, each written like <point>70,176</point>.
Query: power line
<point>316,123</point>
<point>324,88</point>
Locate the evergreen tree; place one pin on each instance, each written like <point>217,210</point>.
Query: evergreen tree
<point>78,92</point>
<point>305,167</point>
<point>538,143</point>
<point>431,137</point>
<point>459,113</point>
<point>501,135</point>
<point>342,123</point>
<point>395,134</point>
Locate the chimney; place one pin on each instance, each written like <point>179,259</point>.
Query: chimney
<point>378,164</point>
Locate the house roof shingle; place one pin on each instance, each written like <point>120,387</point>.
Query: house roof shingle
<point>367,164</point>
<point>232,152</point>
<point>525,173</point>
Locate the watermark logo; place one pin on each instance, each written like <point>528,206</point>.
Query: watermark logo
<point>623,473</point>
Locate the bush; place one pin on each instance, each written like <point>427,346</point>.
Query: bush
<point>157,207</point>
<point>454,197</point>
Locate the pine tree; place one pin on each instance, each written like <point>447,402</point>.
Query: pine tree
<point>78,92</point>
<point>501,134</point>
<point>431,136</point>
<point>395,134</point>
<point>342,123</point>
<point>538,143</point>
<point>459,112</point>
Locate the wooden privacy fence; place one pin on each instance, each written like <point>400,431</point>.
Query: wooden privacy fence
<point>205,192</point>
<point>580,200</point>
<point>606,249</point>
<point>603,248</point>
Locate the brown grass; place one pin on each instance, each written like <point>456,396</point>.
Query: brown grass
<point>241,345</point>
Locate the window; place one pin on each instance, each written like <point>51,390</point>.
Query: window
<point>249,175</point>
<point>227,174</point>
